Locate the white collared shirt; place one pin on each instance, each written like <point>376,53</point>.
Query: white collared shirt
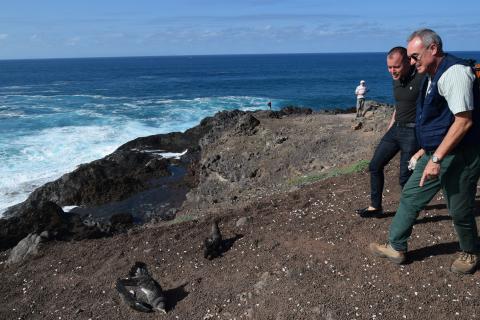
<point>456,86</point>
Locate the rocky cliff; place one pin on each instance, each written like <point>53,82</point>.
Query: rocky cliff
<point>230,158</point>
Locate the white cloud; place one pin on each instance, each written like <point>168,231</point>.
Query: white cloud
<point>73,41</point>
<point>37,38</point>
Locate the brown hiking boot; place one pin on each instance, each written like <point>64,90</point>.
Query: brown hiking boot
<point>386,251</point>
<point>466,263</point>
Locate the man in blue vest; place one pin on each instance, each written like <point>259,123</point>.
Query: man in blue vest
<point>448,130</point>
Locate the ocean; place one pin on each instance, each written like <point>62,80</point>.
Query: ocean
<point>58,113</point>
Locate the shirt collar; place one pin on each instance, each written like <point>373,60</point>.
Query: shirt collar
<point>411,74</point>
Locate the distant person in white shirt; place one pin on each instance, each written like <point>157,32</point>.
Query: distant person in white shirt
<point>360,92</point>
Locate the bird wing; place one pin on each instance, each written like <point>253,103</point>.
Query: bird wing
<point>130,299</point>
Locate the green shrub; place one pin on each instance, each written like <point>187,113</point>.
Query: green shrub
<point>307,179</point>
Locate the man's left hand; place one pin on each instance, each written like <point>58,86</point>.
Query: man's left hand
<point>432,171</point>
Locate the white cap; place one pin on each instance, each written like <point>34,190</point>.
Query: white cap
<point>362,81</point>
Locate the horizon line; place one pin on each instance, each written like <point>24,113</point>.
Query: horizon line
<point>206,55</point>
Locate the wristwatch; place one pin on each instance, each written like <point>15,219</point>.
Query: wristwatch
<point>436,159</point>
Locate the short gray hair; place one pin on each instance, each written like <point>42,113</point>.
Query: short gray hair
<point>428,36</point>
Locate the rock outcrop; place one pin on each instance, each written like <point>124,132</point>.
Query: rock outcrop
<point>26,248</point>
<point>274,148</point>
<point>233,156</point>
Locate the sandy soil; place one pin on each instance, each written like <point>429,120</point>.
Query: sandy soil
<point>299,255</point>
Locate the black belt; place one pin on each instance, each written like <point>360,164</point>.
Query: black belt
<point>405,124</point>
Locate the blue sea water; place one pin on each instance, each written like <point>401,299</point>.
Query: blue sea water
<point>56,114</point>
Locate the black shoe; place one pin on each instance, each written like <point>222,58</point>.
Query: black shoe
<point>365,213</point>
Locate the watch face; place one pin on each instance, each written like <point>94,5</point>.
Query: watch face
<point>435,159</point>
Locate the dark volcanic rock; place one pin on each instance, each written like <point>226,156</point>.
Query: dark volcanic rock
<point>247,124</point>
<point>133,173</point>
<point>121,221</point>
<point>221,122</point>
<point>339,111</point>
<point>109,179</point>
<point>174,142</point>
<point>132,168</point>
<point>48,220</point>
<point>270,155</point>
<point>80,229</point>
<point>291,110</point>
<point>27,247</point>
<point>46,216</point>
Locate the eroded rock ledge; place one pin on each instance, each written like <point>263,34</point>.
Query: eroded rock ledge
<point>232,157</point>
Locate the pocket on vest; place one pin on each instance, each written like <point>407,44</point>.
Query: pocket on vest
<point>439,132</point>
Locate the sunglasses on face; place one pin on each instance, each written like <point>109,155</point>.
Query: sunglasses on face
<point>417,56</point>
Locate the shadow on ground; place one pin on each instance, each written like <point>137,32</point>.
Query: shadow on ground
<point>174,296</point>
<point>435,250</point>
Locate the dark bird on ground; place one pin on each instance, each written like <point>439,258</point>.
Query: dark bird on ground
<point>140,291</point>
<point>213,244</point>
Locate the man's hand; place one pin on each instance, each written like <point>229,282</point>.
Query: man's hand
<point>432,171</point>
<point>413,160</point>
<point>456,132</point>
<point>392,120</point>
<point>412,163</point>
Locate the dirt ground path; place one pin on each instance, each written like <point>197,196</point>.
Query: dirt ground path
<point>299,255</point>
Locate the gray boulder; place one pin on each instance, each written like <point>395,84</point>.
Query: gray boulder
<point>27,247</point>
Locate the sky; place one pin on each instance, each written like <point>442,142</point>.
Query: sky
<point>112,28</point>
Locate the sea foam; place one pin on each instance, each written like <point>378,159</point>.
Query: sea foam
<point>57,133</point>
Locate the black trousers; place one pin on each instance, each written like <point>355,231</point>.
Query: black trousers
<point>398,138</point>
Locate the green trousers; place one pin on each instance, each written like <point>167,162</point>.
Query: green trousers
<point>458,178</point>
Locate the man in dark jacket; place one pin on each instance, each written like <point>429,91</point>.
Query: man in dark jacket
<point>448,130</point>
<point>400,135</point>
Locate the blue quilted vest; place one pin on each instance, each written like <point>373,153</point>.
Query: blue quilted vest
<point>434,118</point>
